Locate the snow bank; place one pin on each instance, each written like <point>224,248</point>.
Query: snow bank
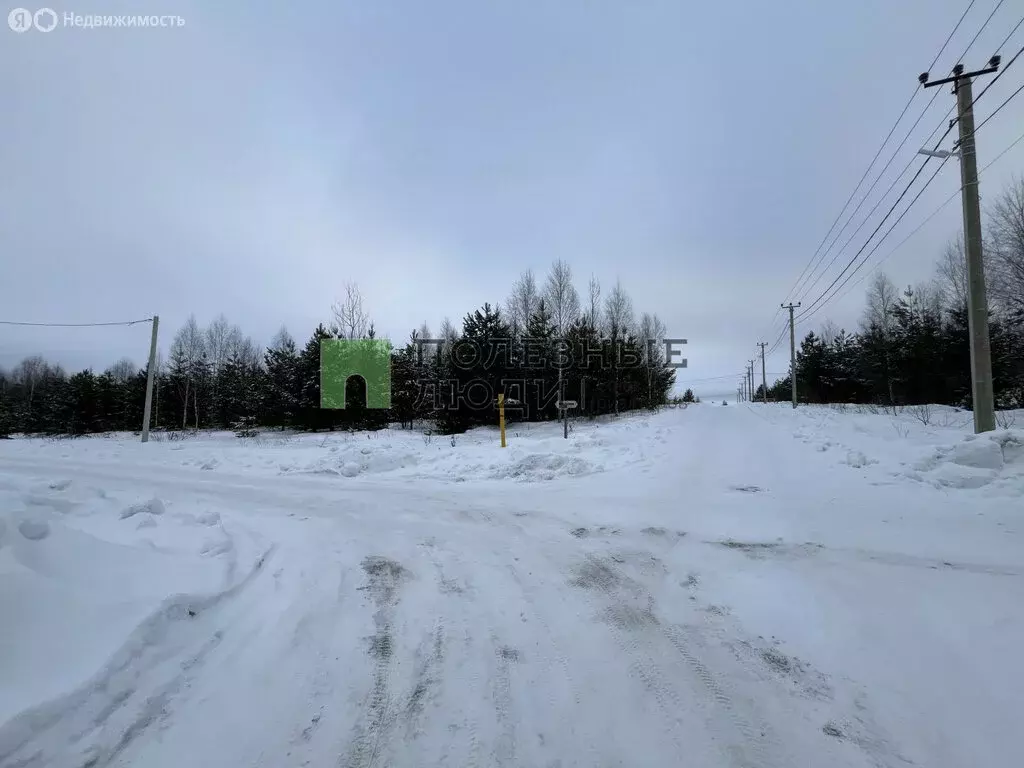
<point>80,565</point>
<point>534,452</point>
<point>990,459</point>
<point>931,444</point>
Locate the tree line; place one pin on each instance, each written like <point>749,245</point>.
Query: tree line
<point>544,345</point>
<point>913,346</point>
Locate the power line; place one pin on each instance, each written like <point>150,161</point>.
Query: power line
<point>1007,38</point>
<point>872,163</point>
<point>878,153</point>
<point>999,74</point>
<point>931,216</point>
<point>909,163</point>
<point>719,378</point>
<point>978,33</point>
<point>75,325</point>
<point>959,22</point>
<point>853,193</point>
<point>809,288</point>
<point>996,110</point>
<point>849,264</point>
<point>888,232</point>
<point>778,339</point>
<point>1016,141</point>
<point>809,310</point>
<point>952,124</point>
<point>867,194</point>
<point>992,82</point>
<point>902,242</point>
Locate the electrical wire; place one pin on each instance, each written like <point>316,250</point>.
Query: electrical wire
<point>1007,38</point>
<point>996,110</point>
<point>810,308</point>
<point>930,216</point>
<point>938,168</point>
<point>878,153</point>
<point>978,33</point>
<point>820,300</point>
<point>808,288</point>
<point>719,378</point>
<point>810,311</point>
<point>75,325</point>
<point>1015,142</point>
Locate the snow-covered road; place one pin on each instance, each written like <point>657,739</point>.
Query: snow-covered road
<point>714,586</point>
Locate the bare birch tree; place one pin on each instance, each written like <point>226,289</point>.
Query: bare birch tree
<point>952,273</point>
<point>882,298</point>
<point>424,351</point>
<point>219,339</point>
<point>829,333</point>
<point>652,333</point>
<point>594,312</point>
<point>523,302</point>
<point>247,352</point>
<point>350,317</point>
<point>188,350</point>
<point>561,297</point>
<point>618,314</point>
<point>1006,233</point>
<point>449,334</point>
<point>121,371</point>
<point>282,339</point>
<point>28,373</point>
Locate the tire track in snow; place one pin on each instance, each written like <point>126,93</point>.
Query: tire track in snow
<point>760,746</point>
<point>455,592</point>
<point>488,671</point>
<point>629,622</point>
<point>505,744</point>
<point>630,613</point>
<point>426,679</point>
<point>312,638</point>
<point>384,580</point>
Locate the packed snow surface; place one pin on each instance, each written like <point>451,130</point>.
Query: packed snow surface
<point>742,586</point>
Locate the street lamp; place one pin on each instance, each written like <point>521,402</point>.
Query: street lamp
<point>942,154</point>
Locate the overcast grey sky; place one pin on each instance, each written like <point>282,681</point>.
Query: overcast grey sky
<point>257,158</point>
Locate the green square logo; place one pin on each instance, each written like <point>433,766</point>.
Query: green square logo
<point>369,359</point>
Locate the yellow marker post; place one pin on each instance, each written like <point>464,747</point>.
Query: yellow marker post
<point>501,418</point>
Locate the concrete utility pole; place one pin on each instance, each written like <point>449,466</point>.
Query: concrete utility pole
<point>764,378</point>
<point>150,376</point>
<point>977,301</point>
<point>792,349</point>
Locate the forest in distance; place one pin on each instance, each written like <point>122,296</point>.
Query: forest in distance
<point>912,347</point>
